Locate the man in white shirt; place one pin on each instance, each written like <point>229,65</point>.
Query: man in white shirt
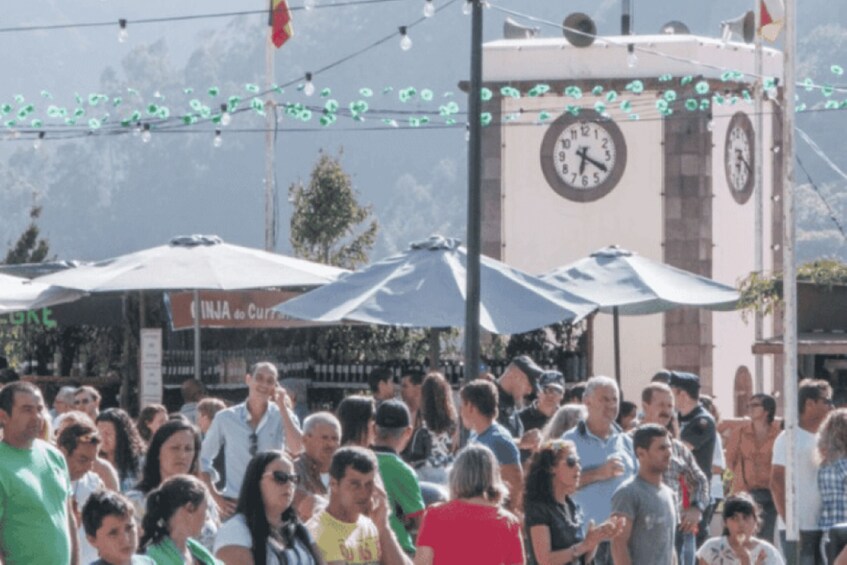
<point>815,401</point>
<point>262,422</point>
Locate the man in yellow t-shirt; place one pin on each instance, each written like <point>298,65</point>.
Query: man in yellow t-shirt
<point>353,529</point>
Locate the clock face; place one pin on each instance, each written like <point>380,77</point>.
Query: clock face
<point>583,157</point>
<point>740,157</point>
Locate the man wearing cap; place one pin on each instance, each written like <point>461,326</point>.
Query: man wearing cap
<point>393,430</point>
<point>696,430</point>
<point>536,415</point>
<point>519,380</point>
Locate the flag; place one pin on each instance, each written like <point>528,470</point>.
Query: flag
<point>281,27</point>
<point>772,19</point>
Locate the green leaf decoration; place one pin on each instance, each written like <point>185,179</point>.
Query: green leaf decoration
<point>611,96</point>
<point>53,112</point>
<point>70,121</point>
<point>543,116</point>
<point>667,77</point>
<point>232,103</point>
<point>687,79</point>
<point>19,99</point>
<point>427,95</point>
<point>10,123</point>
<point>843,105</point>
<point>153,109</point>
<point>94,123</point>
<point>326,92</point>
<point>634,117</point>
<point>626,106</point>
<point>832,105</point>
<point>117,101</point>
<point>164,112</point>
<point>667,112</point>
<point>5,109</point>
<point>126,122</point>
<point>719,100</point>
<point>538,90</point>
<point>597,90</point>
<point>691,105</point>
<point>801,107</point>
<point>366,92</point>
<point>599,107</point>
<point>662,104</point>
<point>258,106</point>
<point>450,122</point>
<point>205,112</point>
<point>213,91</point>
<point>188,90</point>
<point>745,94</point>
<point>702,87</point>
<point>388,90</point>
<point>331,106</point>
<point>305,115</point>
<point>79,112</point>
<point>769,82</point>
<point>510,92</point>
<point>327,120</point>
<point>424,120</point>
<point>194,103</point>
<point>129,90</point>
<point>93,99</point>
<point>485,94</point>
<point>448,94</point>
<point>836,70</point>
<point>278,89</point>
<point>670,95</point>
<point>250,87</point>
<point>189,119</point>
<point>485,119</point>
<point>733,100</point>
<point>36,123</point>
<point>809,85</point>
<point>22,114</point>
<point>573,109</point>
<point>414,122</point>
<point>704,104</point>
<point>46,94</point>
<point>636,87</point>
<point>827,90</point>
<point>511,117</point>
<point>136,115</point>
<point>390,122</point>
<point>574,92</point>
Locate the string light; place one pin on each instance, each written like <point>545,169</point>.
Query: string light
<point>309,87</point>
<point>428,9</point>
<point>218,141</point>
<point>467,7</point>
<point>405,40</point>
<point>146,135</point>
<point>38,140</point>
<point>631,57</point>
<point>226,117</point>
<point>123,34</point>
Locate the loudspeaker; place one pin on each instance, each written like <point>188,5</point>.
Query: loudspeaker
<point>514,30</point>
<point>743,26</point>
<point>675,27</point>
<point>579,30</point>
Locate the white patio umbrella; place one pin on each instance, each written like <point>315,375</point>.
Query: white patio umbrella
<point>425,288</point>
<point>622,282</point>
<point>197,262</point>
<point>18,294</point>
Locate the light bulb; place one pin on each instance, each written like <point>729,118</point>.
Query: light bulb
<point>308,88</point>
<point>123,34</point>
<point>710,125</point>
<point>405,40</point>
<point>218,141</point>
<point>37,143</point>
<point>467,133</point>
<point>145,134</point>
<point>467,7</point>
<point>226,117</point>
<point>136,131</point>
<point>308,4</point>
<point>631,57</point>
<point>428,9</point>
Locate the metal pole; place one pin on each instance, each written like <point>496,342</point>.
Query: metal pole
<point>125,355</point>
<point>434,348</point>
<point>789,272</point>
<point>270,177</point>
<point>474,197</point>
<point>758,189</point>
<point>197,313</point>
<point>616,321</point>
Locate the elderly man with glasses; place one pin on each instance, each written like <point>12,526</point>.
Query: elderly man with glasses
<point>262,422</point>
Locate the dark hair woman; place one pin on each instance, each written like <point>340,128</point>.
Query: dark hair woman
<point>439,417</point>
<point>174,450</point>
<point>121,445</point>
<point>151,419</point>
<point>738,543</point>
<point>176,514</point>
<point>265,529</point>
<point>356,414</point>
<point>554,522</point>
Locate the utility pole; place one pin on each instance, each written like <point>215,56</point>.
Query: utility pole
<point>758,190</point>
<point>270,177</point>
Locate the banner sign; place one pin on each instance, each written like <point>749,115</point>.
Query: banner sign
<point>232,309</point>
<point>150,365</point>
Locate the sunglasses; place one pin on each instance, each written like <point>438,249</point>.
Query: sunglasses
<point>254,444</point>
<point>282,478</point>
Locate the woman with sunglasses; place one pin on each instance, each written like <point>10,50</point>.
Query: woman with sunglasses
<point>265,529</point>
<point>554,522</point>
<point>176,514</point>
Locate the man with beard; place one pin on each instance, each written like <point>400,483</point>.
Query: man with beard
<point>658,406</point>
<point>353,529</point>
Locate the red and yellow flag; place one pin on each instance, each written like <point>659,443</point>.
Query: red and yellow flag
<point>772,19</point>
<point>281,27</point>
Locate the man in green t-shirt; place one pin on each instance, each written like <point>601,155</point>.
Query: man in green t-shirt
<point>36,519</point>
<point>393,430</point>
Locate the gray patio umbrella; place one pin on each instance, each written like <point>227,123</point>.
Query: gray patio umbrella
<point>197,262</point>
<point>18,294</point>
<point>625,283</point>
<point>425,288</point>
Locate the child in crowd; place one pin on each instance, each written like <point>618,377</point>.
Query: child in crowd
<point>110,528</point>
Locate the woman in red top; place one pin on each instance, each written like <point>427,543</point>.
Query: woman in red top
<point>472,527</point>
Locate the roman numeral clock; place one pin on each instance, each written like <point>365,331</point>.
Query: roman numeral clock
<point>583,156</point>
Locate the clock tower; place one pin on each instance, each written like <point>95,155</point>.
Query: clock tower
<point>585,149</point>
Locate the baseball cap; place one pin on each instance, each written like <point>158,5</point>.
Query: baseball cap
<point>392,414</point>
<point>552,379</point>
<point>689,382</point>
<point>529,368</point>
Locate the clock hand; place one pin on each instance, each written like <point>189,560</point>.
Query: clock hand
<point>597,164</point>
<point>581,152</point>
<point>740,157</point>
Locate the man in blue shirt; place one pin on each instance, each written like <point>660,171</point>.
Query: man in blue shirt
<point>479,412</point>
<point>260,423</point>
<point>605,452</point>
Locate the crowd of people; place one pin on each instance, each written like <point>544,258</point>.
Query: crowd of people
<point>507,470</point>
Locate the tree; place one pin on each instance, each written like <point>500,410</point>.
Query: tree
<point>327,218</point>
<point>29,248</point>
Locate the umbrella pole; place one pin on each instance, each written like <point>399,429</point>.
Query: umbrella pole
<point>125,385</point>
<point>617,338</point>
<point>434,348</point>
<point>197,311</point>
